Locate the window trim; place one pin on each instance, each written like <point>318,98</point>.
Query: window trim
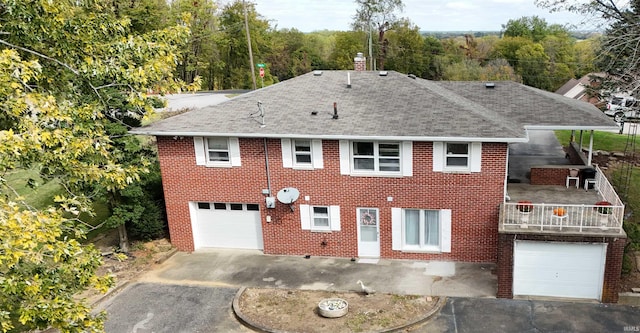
<point>202,152</point>
<point>422,224</point>
<point>209,150</point>
<point>295,153</point>
<point>474,162</point>
<point>398,231</point>
<point>466,167</point>
<point>289,155</point>
<point>307,216</point>
<point>376,158</point>
<point>315,227</point>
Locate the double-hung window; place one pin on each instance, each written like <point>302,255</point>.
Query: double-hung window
<point>455,157</point>
<point>302,154</point>
<point>421,230</point>
<point>376,157</point>
<point>217,151</point>
<point>320,218</point>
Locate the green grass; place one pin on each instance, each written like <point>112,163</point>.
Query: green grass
<point>41,196</point>
<point>606,141</point>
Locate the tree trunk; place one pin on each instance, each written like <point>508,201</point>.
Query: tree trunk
<point>124,239</point>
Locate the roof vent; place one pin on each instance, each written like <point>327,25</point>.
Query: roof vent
<point>489,85</point>
<point>412,76</point>
<point>383,73</point>
<point>317,73</point>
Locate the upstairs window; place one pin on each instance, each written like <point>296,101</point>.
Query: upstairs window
<point>217,151</point>
<point>302,154</point>
<point>457,157</point>
<point>376,157</point>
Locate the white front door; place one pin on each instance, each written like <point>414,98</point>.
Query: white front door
<point>368,233</point>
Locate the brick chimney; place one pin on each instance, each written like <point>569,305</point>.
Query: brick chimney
<point>360,62</point>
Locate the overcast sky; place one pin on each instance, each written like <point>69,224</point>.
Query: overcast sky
<point>429,15</point>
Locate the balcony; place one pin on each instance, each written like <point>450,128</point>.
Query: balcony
<point>563,210</point>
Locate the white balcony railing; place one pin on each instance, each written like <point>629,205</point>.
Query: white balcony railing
<point>567,218</point>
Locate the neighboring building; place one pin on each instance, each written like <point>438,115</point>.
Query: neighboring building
<point>386,166</point>
<point>580,89</point>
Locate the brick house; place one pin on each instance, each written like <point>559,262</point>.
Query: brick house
<point>371,165</point>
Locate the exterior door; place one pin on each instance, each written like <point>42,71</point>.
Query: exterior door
<point>368,233</point>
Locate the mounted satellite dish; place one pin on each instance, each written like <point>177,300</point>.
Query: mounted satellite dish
<point>288,196</point>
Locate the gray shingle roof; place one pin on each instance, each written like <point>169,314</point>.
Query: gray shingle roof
<point>392,106</point>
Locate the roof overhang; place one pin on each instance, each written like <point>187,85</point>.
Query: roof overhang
<point>333,137</point>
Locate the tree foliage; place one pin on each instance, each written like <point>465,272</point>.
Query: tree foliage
<point>69,70</point>
<point>379,16</point>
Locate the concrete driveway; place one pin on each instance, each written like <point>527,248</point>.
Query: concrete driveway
<point>193,293</point>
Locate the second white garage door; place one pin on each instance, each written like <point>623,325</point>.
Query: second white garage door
<point>226,225</point>
<point>573,270</point>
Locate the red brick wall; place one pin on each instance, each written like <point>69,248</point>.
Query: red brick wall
<point>549,176</point>
<point>613,265</point>
<point>473,198</point>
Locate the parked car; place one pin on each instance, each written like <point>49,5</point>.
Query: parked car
<point>623,107</point>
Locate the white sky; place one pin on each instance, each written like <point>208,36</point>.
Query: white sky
<point>429,15</point>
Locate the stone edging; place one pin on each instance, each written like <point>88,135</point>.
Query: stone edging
<point>247,322</point>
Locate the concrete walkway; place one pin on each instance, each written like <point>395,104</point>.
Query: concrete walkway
<point>248,268</point>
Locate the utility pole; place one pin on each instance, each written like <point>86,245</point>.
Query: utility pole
<point>246,26</point>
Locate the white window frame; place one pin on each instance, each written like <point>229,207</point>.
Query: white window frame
<point>347,158</point>
<point>398,222</point>
<point>289,155</point>
<point>448,155</point>
<point>474,157</point>
<point>315,216</point>
<point>307,218</point>
<point>201,146</point>
<point>296,153</point>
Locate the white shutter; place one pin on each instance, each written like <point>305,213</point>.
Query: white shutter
<point>305,217</point>
<point>287,155</point>
<point>316,154</point>
<point>476,156</point>
<point>198,145</point>
<point>407,158</point>
<point>396,229</point>
<point>234,151</point>
<point>345,158</point>
<point>334,217</point>
<point>445,230</point>
<point>438,156</point>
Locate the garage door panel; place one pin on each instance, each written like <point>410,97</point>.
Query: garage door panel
<point>238,229</point>
<point>558,269</point>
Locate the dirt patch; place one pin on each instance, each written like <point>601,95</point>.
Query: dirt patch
<point>125,267</point>
<point>297,310</point>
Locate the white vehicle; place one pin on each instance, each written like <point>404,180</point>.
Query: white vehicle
<point>623,107</point>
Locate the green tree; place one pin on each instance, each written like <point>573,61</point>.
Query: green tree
<point>75,69</point>
<point>532,65</point>
<point>348,44</point>
<point>406,49</point>
<point>379,16</point>
<point>234,51</point>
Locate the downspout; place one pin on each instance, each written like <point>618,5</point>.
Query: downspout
<point>266,163</point>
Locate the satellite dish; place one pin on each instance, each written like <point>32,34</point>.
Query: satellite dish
<point>288,196</point>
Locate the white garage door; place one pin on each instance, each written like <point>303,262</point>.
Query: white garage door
<point>227,225</point>
<point>572,270</point>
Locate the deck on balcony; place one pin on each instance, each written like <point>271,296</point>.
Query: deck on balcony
<point>581,216</point>
<point>552,194</point>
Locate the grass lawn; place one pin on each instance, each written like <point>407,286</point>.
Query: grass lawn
<point>42,196</point>
<point>606,141</point>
